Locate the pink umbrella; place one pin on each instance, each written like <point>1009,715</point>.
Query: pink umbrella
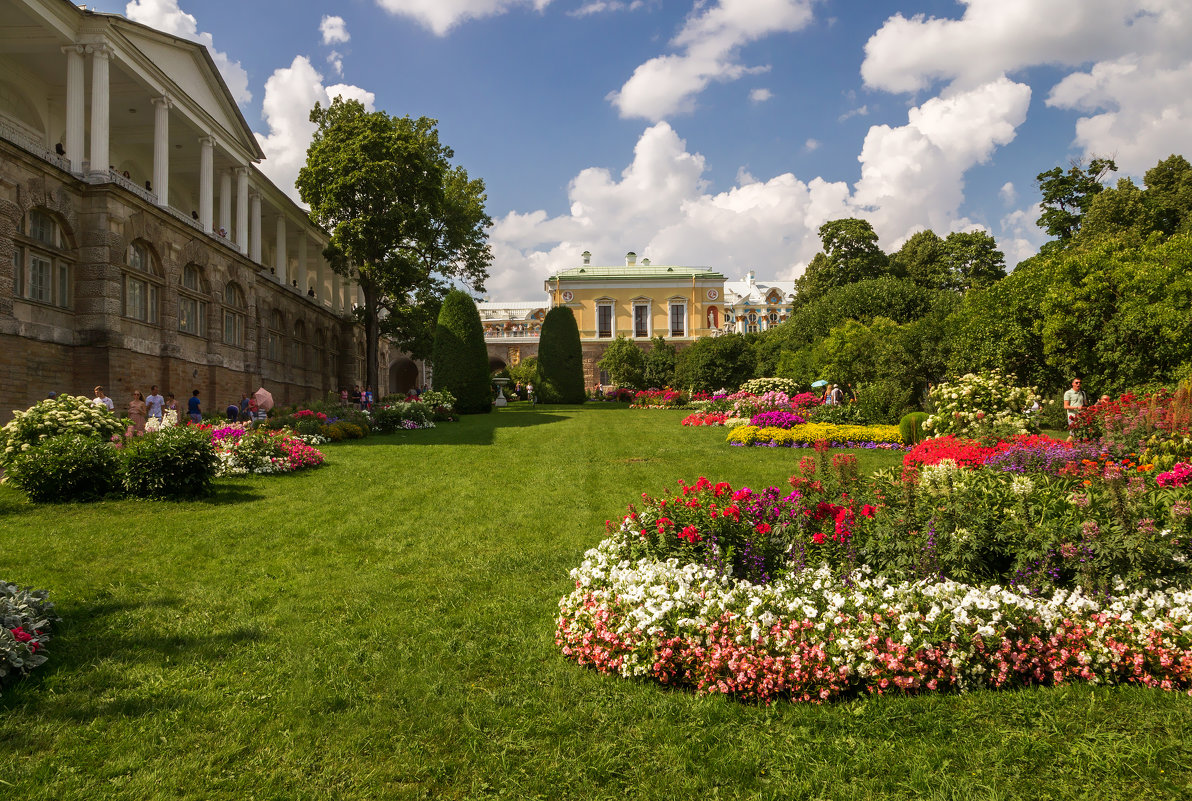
<point>264,399</point>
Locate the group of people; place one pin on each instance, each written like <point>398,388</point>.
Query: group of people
<point>362,399</point>
<point>141,407</point>
<point>835,395</point>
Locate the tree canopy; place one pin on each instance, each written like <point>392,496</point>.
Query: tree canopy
<point>403,221</point>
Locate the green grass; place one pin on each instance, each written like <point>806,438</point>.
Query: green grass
<point>383,628</point>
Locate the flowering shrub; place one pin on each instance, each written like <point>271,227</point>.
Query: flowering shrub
<point>66,414</point>
<point>26,618</point>
<point>66,467</point>
<point>963,452</point>
<point>1178,476</point>
<point>985,406</point>
<point>760,386</point>
<point>746,404</point>
<point>658,399</point>
<point>779,418</point>
<point>1159,425</point>
<point>808,434</point>
<point>168,419</point>
<point>262,451</point>
<point>718,401</point>
<point>618,394</point>
<point>705,419</point>
<point>398,416</point>
<point>805,400</point>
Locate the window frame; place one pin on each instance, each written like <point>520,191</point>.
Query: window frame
<point>611,308</point>
<point>41,240</point>
<point>143,277</point>
<point>235,312</point>
<point>671,305</point>
<point>649,319</point>
<point>193,297</point>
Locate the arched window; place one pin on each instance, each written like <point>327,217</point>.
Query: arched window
<point>142,284</point>
<point>751,323</point>
<point>297,347</point>
<point>42,261</point>
<point>316,354</point>
<point>235,308</point>
<point>273,338</point>
<point>192,304</point>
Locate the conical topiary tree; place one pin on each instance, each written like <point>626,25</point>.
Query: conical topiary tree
<point>460,355</point>
<point>560,359</point>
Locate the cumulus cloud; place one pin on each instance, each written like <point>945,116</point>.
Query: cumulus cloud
<point>334,30</point>
<point>708,43</point>
<point>336,62</point>
<point>661,206</point>
<point>290,93</point>
<point>1145,110</point>
<point>1008,193</point>
<point>1002,36</point>
<point>165,15</point>
<point>1021,237</point>
<point>760,95</point>
<point>811,145</point>
<point>440,16</point>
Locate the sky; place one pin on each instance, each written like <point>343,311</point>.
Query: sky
<point>720,133</point>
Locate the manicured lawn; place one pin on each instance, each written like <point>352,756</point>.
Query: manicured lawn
<point>383,628</point>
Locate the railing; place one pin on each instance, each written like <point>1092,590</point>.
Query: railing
<point>126,183</point>
<point>186,218</point>
<point>25,141</point>
<point>522,335</point>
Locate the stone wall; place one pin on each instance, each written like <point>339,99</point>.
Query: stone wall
<point>44,348</point>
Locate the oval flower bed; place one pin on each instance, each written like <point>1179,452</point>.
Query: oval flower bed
<point>807,435</point>
<point>761,595</point>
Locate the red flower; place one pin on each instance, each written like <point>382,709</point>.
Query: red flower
<point>867,511</point>
<point>763,528</point>
<point>664,523</point>
<point>818,538</point>
<point>21,635</point>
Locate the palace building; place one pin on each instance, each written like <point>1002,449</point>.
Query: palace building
<point>139,242</point>
<point>751,305</point>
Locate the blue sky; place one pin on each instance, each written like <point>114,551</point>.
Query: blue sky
<point>721,132</point>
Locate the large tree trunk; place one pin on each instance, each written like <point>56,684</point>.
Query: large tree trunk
<point>372,337</point>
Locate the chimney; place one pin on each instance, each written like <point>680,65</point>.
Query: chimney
<point>751,277</point>
<point>630,259</point>
<point>587,256</point>
<point>645,262</point>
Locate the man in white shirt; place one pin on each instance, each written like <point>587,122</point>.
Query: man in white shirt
<point>101,399</point>
<point>155,401</point>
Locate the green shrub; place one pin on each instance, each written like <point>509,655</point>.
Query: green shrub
<point>660,364</point>
<point>173,463</point>
<point>560,359</point>
<point>69,467</point>
<point>66,414</point>
<point>625,364</point>
<point>389,418</point>
<point>337,432</point>
<point>911,427</point>
<point>460,355</point>
<point>713,363</point>
<point>882,402</point>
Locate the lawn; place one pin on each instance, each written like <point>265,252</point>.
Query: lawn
<point>383,628</point>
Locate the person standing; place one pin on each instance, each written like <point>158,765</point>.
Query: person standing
<point>192,408</point>
<point>155,401</point>
<point>171,405</point>
<point>837,396</point>
<point>1074,401</point>
<point>101,399</point>
<point>137,411</point>
<point>245,404</point>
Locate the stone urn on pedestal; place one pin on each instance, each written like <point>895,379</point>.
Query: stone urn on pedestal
<point>500,382</point>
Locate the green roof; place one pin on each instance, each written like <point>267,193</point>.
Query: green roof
<point>637,272</point>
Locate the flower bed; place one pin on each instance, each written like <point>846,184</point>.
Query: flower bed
<point>779,418</point>
<point>705,419</point>
<point>261,451</point>
<point>808,434</point>
<point>26,620</point>
<point>658,399</point>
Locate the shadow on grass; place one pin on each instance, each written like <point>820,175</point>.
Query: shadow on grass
<point>472,429</point>
<point>98,640</point>
<point>227,492</point>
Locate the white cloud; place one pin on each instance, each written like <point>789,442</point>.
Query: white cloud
<point>1008,193</point>
<point>1001,36</point>
<point>336,61</point>
<point>1020,237</point>
<point>603,6</point>
<point>860,111</point>
<point>667,85</point>
<point>914,174</point>
<point>912,177</point>
<point>334,30</point>
<point>165,15</point>
<point>1145,110</point>
<point>760,95</point>
<point>290,93</point>
<point>440,16</point>
<point>811,145</point>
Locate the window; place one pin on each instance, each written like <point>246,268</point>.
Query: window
<point>678,319</point>
<point>298,346</point>
<point>604,320</point>
<point>42,268</point>
<point>140,287</point>
<point>192,308</point>
<point>273,338</point>
<point>641,319</point>
<point>234,308</point>
<point>751,323</point>
<point>773,318</point>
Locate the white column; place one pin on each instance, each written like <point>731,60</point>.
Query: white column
<point>161,149</point>
<point>341,293</point>
<point>242,209</point>
<point>225,202</point>
<point>324,294</point>
<point>206,181</point>
<point>280,255</point>
<point>303,275</point>
<point>254,228</point>
<point>100,114</point>
<point>74,106</point>
<point>359,295</point>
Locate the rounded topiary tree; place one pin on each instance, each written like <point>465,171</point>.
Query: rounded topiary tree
<point>560,359</point>
<point>460,355</point>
